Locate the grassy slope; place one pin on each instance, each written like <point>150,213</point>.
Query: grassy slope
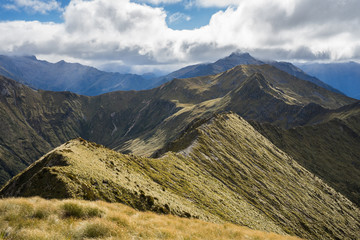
<point>331,150</point>
<point>261,92</point>
<point>271,181</point>
<point>229,172</point>
<point>33,123</point>
<point>36,218</point>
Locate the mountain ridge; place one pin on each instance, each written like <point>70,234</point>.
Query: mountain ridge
<point>235,59</point>
<point>233,180</point>
<point>90,81</point>
<point>343,76</point>
<point>63,76</point>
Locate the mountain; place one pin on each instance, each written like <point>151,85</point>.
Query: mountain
<point>77,78</point>
<point>63,76</point>
<point>211,68</point>
<point>191,150</point>
<point>297,72</point>
<point>34,122</point>
<point>223,169</point>
<point>343,76</point>
<point>234,60</point>
<point>205,69</point>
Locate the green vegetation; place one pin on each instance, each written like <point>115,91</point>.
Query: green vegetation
<point>77,211</point>
<point>330,150</point>
<point>229,172</point>
<point>18,220</point>
<point>34,122</point>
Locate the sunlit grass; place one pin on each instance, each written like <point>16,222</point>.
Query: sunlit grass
<point>36,218</point>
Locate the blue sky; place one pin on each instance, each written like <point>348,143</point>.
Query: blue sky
<point>180,15</point>
<point>147,35</point>
<point>11,10</point>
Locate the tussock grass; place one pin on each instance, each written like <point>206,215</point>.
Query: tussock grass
<point>76,210</point>
<point>37,218</point>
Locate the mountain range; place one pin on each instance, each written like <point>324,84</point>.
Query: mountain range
<point>233,60</point>
<point>342,76</point>
<point>251,144</point>
<point>77,78</point>
<point>63,76</point>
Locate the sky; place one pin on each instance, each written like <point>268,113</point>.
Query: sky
<point>163,35</point>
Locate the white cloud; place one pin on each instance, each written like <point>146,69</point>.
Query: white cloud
<point>123,31</point>
<point>178,17</point>
<point>34,5</point>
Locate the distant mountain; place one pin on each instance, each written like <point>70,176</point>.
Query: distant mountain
<point>205,69</point>
<point>343,76</point>
<point>63,76</point>
<point>297,72</point>
<point>236,59</point>
<point>77,78</point>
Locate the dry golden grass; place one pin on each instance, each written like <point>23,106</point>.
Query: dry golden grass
<point>37,218</point>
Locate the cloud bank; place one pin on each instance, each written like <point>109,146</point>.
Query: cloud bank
<point>137,34</point>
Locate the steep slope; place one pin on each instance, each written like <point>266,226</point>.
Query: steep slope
<point>343,76</point>
<point>84,170</point>
<point>63,76</point>
<point>228,171</point>
<point>261,93</point>
<point>330,149</point>
<point>33,122</point>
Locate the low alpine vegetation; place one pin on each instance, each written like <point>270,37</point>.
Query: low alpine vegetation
<point>36,218</point>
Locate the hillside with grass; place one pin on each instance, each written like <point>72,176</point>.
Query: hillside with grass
<point>145,122</point>
<point>330,149</point>
<point>220,169</point>
<point>38,219</point>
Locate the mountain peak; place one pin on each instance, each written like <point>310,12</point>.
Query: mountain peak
<point>237,58</point>
<point>240,54</point>
<point>32,57</point>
